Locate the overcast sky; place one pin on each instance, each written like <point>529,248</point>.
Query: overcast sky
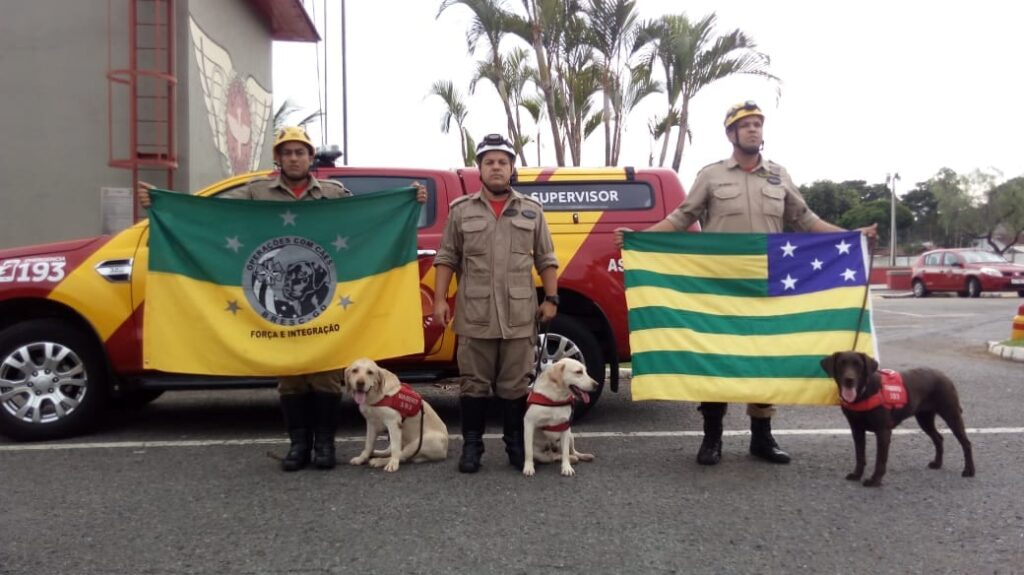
<point>868,87</point>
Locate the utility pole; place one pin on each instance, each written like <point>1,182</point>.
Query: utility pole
<point>890,180</point>
<point>344,88</point>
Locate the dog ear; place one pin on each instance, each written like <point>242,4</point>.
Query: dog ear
<point>389,382</point>
<point>870,365</point>
<point>828,363</point>
<point>558,372</point>
<point>344,377</point>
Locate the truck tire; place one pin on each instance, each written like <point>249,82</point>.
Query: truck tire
<point>53,381</point>
<point>567,337</point>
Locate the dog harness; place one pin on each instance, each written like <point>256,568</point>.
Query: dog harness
<point>406,402</point>
<point>892,395</point>
<point>540,399</point>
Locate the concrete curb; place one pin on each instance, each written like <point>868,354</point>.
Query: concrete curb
<point>1012,353</point>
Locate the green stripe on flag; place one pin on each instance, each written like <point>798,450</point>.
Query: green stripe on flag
<point>825,320</point>
<point>348,230</point>
<point>718,365</point>
<point>675,243</point>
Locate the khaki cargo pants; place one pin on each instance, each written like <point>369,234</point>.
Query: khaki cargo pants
<point>323,381</point>
<point>496,366</point>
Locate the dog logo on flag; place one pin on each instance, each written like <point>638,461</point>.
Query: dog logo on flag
<point>289,280</point>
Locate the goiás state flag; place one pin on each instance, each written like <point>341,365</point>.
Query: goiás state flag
<point>247,287</point>
<point>744,317</point>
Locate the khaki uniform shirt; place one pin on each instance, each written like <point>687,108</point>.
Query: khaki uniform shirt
<point>736,201</point>
<point>493,259</point>
<point>272,188</point>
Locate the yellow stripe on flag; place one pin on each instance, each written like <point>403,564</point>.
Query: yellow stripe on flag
<point>701,266</point>
<point>838,298</point>
<point>367,327</point>
<point>804,343</point>
<point>804,391</point>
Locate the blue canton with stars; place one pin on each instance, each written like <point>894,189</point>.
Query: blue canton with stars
<point>805,263</point>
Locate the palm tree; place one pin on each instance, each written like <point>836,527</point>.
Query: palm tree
<point>626,98</point>
<point>613,25</point>
<point>455,109</point>
<point>287,109</point>
<point>693,58</point>
<point>514,74</point>
<point>491,23</point>
<point>542,29</point>
<point>535,107</point>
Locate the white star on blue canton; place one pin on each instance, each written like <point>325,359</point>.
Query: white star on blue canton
<point>816,264</point>
<point>849,275</point>
<point>340,243</point>
<point>289,218</point>
<point>843,247</point>
<point>233,244</point>
<point>788,249</point>
<point>344,302</point>
<point>789,282</point>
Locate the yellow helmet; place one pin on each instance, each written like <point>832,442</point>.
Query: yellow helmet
<point>742,110</point>
<point>293,134</point>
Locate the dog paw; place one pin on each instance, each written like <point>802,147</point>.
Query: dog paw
<point>872,482</point>
<point>358,460</point>
<point>568,471</point>
<point>391,467</point>
<point>529,471</point>
<point>378,462</point>
<point>585,456</point>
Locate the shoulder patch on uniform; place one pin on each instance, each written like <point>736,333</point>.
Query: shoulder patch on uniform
<point>458,201</point>
<point>533,199</point>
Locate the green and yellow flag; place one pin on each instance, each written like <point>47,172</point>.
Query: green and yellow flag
<point>260,288</point>
<point>744,317</point>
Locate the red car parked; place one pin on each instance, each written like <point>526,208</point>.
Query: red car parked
<point>968,272</point>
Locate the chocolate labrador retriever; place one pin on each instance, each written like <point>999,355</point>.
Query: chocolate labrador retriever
<point>877,404</point>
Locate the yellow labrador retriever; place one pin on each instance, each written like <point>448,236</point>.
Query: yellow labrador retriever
<point>415,431</point>
<point>550,411</point>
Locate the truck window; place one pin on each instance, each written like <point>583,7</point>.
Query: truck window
<point>359,185</point>
<point>590,196</point>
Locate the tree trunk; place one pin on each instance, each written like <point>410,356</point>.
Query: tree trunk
<point>684,113</point>
<point>547,88</point>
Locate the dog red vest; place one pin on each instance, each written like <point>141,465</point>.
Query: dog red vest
<point>540,399</point>
<point>406,401</point>
<point>892,395</point>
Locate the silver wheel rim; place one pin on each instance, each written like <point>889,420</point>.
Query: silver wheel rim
<point>555,346</point>
<point>42,382</point>
<point>918,289</point>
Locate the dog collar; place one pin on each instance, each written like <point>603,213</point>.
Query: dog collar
<point>892,394</point>
<point>536,398</point>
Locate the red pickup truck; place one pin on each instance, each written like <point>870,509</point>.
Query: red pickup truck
<point>71,312</point>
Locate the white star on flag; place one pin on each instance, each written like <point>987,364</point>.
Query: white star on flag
<point>288,217</point>
<point>789,282</point>
<point>344,302</point>
<point>787,250</point>
<point>843,247</point>
<point>233,244</point>
<point>340,243</point>
<point>849,275</point>
<point>816,264</point>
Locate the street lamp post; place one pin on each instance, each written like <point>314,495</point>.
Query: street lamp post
<point>891,180</point>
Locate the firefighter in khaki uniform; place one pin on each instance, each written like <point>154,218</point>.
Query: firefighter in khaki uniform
<point>744,193</point>
<point>493,241</point>
<point>309,401</point>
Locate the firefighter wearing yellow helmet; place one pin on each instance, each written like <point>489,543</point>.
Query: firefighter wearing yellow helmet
<point>744,193</point>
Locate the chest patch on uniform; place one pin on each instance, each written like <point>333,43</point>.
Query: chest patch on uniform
<point>510,212</point>
<point>529,214</point>
<point>773,179</point>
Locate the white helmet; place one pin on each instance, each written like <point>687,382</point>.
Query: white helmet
<point>495,142</point>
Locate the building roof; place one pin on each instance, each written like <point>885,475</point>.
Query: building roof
<point>287,20</point>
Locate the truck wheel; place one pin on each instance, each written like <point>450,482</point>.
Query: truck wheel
<point>52,380</point>
<point>566,337</point>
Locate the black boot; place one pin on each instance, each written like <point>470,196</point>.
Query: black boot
<point>474,419</point>
<point>762,444</point>
<point>325,411</point>
<point>710,452</point>
<point>296,409</point>
<point>512,411</point>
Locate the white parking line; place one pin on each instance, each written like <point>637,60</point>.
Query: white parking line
<point>845,432</point>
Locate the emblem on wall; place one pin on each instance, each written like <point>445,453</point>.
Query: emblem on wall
<point>238,109</point>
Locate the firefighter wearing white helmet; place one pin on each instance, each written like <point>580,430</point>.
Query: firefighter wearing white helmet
<point>493,240</point>
<point>744,193</point>
<point>310,402</point>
